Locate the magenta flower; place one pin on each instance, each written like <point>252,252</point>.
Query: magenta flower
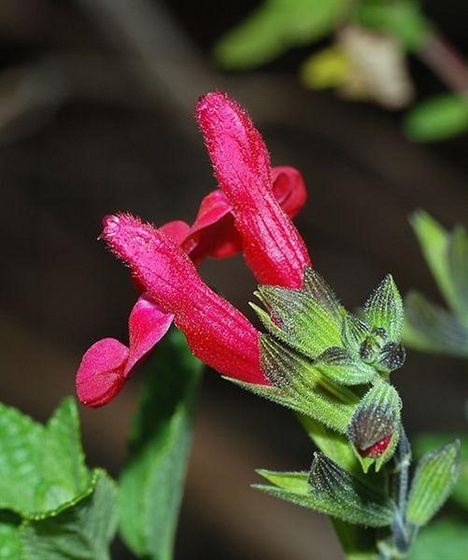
<point>249,214</point>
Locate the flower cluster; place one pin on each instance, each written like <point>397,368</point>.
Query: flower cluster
<point>313,352</point>
<point>249,212</point>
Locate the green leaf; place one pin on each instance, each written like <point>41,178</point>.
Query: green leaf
<point>434,479</point>
<point>152,482</point>
<point>458,264</point>
<point>402,19</point>
<point>427,442</point>
<point>81,532</point>
<point>10,546</point>
<point>438,118</point>
<point>276,26</point>
<point>63,462</point>
<point>434,242</point>
<point>431,328</point>
<point>41,467</point>
<point>384,309</point>
<point>331,490</point>
<point>445,539</point>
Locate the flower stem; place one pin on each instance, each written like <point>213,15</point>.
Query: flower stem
<point>446,62</point>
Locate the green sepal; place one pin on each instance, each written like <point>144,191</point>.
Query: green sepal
<point>337,364</point>
<point>83,530</point>
<point>308,325</point>
<point>41,467</point>
<point>376,420</point>
<point>431,328</point>
<point>436,475</point>
<point>313,393</point>
<point>354,333</point>
<point>152,481</point>
<point>331,490</point>
<point>384,309</point>
<point>318,289</point>
<point>321,407</point>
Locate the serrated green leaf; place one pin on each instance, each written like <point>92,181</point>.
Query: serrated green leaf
<point>41,468</point>
<point>458,265</point>
<point>445,539</point>
<point>313,393</point>
<point>10,546</point>
<point>152,482</point>
<point>65,474</point>
<point>331,490</point>
<point>427,442</point>
<point>384,309</point>
<point>276,26</point>
<point>376,419</point>
<point>438,118</point>
<point>434,479</point>
<point>19,459</point>
<point>431,328</point>
<point>81,532</point>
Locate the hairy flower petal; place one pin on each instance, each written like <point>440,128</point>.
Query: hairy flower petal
<point>272,247</point>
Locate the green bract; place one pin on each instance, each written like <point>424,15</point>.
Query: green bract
<point>331,490</point>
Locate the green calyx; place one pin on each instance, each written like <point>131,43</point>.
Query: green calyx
<point>320,358</point>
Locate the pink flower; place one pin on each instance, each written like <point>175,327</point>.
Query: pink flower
<point>248,214</point>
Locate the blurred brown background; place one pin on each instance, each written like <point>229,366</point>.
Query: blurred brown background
<point>96,101</point>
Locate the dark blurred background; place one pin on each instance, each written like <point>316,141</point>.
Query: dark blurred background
<point>96,100</point>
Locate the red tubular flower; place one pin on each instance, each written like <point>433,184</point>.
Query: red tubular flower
<point>247,216</point>
<point>272,246</point>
